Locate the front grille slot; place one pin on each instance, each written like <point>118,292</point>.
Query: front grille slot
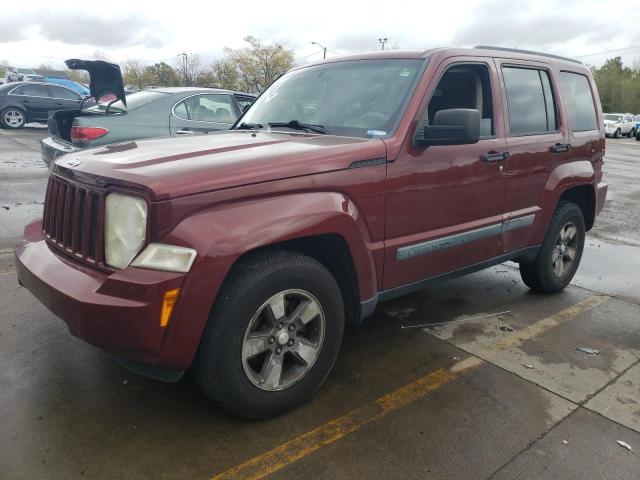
<point>72,219</point>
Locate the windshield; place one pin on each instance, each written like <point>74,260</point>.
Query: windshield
<point>358,98</point>
<point>612,117</point>
<point>135,100</point>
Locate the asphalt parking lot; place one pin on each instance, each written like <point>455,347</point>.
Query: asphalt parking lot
<point>477,378</point>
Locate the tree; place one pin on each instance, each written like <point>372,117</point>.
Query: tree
<point>618,86</point>
<point>132,71</point>
<point>253,68</point>
<point>160,74</point>
<point>4,67</point>
<point>190,70</point>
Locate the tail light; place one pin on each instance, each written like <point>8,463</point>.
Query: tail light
<point>86,134</point>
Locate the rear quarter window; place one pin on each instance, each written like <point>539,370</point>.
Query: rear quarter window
<point>581,111</point>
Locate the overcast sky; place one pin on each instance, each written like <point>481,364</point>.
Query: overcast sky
<point>35,32</point>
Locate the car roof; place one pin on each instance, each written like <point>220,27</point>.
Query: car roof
<point>479,51</point>
<point>9,85</point>
<point>197,90</point>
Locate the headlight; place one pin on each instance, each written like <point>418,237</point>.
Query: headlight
<point>158,256</point>
<point>125,228</point>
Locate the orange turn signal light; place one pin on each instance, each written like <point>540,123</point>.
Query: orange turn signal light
<point>170,299</point>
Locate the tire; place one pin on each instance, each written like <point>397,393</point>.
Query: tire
<point>617,134</point>
<point>632,133</point>
<point>13,118</point>
<point>227,368</point>
<point>544,274</point>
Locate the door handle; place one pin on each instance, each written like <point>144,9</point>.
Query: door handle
<point>493,156</point>
<point>560,147</point>
<point>184,132</point>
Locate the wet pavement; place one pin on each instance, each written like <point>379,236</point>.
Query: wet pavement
<point>425,389</point>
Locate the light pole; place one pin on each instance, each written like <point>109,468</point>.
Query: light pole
<point>184,63</point>
<point>382,41</point>
<point>324,49</point>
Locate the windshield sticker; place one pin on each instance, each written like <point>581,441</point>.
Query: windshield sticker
<point>376,133</point>
<point>405,73</point>
<point>271,94</point>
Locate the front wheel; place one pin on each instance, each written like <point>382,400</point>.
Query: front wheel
<point>273,335</point>
<point>617,134</point>
<point>560,254</point>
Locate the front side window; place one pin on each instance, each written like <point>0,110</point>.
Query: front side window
<point>206,108</point>
<point>358,98</point>
<point>244,102</point>
<point>465,86</point>
<point>530,101</point>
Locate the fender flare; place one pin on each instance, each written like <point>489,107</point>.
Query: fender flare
<point>223,233</point>
<point>562,178</point>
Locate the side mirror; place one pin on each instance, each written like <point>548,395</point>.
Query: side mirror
<point>457,126</point>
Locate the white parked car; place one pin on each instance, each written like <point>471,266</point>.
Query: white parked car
<point>617,124</point>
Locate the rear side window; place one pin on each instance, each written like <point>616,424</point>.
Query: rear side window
<point>579,101</point>
<point>60,92</point>
<point>530,101</point>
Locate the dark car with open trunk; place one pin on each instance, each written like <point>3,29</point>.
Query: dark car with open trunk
<point>242,254</point>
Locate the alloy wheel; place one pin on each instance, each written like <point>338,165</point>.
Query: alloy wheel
<point>13,118</point>
<point>283,340</point>
<point>565,250</point>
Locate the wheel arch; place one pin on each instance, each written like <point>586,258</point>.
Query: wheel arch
<point>324,225</point>
<point>572,181</point>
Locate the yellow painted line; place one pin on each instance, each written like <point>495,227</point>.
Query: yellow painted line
<point>299,447</point>
<point>8,273</point>
<point>332,431</point>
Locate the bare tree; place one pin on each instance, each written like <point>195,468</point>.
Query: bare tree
<point>253,68</point>
<point>189,68</point>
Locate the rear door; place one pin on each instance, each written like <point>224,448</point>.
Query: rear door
<point>537,143</point>
<point>35,97</point>
<point>203,113</point>
<point>64,99</point>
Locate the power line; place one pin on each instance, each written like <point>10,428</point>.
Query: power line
<point>608,51</point>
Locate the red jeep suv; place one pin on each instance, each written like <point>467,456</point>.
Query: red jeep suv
<point>242,254</point>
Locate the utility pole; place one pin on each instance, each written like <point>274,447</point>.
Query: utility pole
<point>382,41</point>
<point>184,63</point>
<point>324,49</point>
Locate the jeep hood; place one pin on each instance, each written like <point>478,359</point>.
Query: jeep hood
<point>104,77</point>
<point>172,167</point>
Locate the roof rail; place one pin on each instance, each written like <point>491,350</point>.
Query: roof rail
<point>528,52</point>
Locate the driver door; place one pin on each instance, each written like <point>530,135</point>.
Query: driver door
<point>445,203</point>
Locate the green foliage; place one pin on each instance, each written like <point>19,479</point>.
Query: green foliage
<point>253,68</point>
<point>618,86</point>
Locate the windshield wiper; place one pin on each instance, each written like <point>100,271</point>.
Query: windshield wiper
<point>296,125</point>
<point>249,126</point>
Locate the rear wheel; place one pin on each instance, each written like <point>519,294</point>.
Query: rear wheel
<point>560,254</point>
<point>273,335</point>
<point>13,117</point>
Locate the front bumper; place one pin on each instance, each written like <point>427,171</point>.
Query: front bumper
<point>118,312</point>
<point>52,149</point>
